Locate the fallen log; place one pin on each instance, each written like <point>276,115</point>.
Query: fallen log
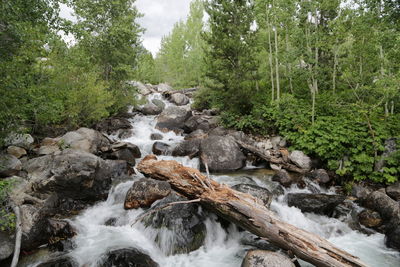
<point>262,154</point>
<point>247,212</point>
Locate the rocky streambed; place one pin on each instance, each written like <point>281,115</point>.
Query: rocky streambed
<point>84,203</point>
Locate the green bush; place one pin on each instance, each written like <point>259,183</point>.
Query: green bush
<point>7,217</point>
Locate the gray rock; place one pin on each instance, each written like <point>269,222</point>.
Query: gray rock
<point>360,192</point>
<point>20,140</point>
<point>142,89</point>
<point>151,109</point>
<point>173,119</point>
<point>160,148</point>
<point>6,245</point>
<point>276,142</point>
<point>393,191</point>
<point>261,193</point>
<point>189,148</point>
<point>134,149</point>
<point>283,177</point>
<point>84,139</point>
<point>388,208</point>
<point>264,258</point>
<point>197,134</point>
<point>116,125</point>
<point>145,192</point>
<point>300,159</point>
<point>128,257</point>
<point>179,99</point>
<point>221,154</point>
<point>15,151</point>
<point>163,87</point>
<point>200,122</point>
<point>320,176</point>
<point>9,165</point>
<point>158,103</point>
<point>187,225</point>
<point>316,203</point>
<point>156,136</point>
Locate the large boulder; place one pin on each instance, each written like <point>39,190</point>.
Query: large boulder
<point>197,134</point>
<point>116,125</point>
<point>128,257</point>
<point>142,89</point>
<point>123,151</point>
<point>20,140</point>
<point>221,154</point>
<point>388,208</point>
<point>262,194</point>
<point>283,177</point>
<point>300,159</point>
<point>183,220</point>
<point>9,165</point>
<point>189,148</point>
<point>16,151</point>
<point>200,122</point>
<point>160,148</point>
<point>317,203</point>
<point>151,109</point>
<point>173,119</point>
<point>145,192</point>
<point>6,245</point>
<point>85,139</point>
<point>321,176</point>
<point>179,99</point>
<point>393,191</point>
<point>264,258</point>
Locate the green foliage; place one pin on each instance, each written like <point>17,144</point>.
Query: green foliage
<point>7,218</point>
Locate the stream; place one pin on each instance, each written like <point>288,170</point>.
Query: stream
<point>222,246</point>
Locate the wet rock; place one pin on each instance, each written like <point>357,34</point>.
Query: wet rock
<point>173,119</point>
<point>198,134</point>
<point>151,109</point>
<point>200,122</point>
<point>221,154</point>
<point>187,228</point>
<point>128,257</point>
<point>317,203</point>
<point>300,159</point>
<point>160,148</point>
<point>156,136</point>
<point>115,126</point>
<point>16,151</point>
<point>179,99</point>
<point>9,165</point>
<point>283,177</point>
<point>84,139</point>
<point>111,222</point>
<point>393,191</point>
<point>320,176</point>
<point>261,193</point>
<point>264,258</point>
<point>134,149</point>
<point>369,218</point>
<point>388,208</point>
<point>189,148</point>
<point>145,192</point>
<point>123,154</point>
<point>60,231</point>
<point>6,245</point>
<point>393,237</point>
<point>63,261</point>
<point>19,140</point>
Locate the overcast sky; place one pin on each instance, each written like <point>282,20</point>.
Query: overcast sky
<point>159,16</point>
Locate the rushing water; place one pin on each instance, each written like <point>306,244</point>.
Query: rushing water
<point>223,247</point>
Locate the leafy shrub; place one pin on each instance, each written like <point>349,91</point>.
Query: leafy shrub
<point>7,217</point>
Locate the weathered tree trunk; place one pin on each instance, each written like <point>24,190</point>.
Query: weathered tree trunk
<point>262,154</point>
<point>247,212</point>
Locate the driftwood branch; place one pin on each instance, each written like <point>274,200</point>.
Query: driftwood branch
<point>265,156</point>
<point>18,236</point>
<point>245,211</point>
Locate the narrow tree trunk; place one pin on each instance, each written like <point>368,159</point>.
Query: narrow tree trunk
<point>335,65</point>
<point>278,88</point>
<point>288,63</point>
<point>248,212</point>
<point>270,59</point>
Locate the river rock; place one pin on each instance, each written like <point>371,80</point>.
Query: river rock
<point>9,165</point>
<point>221,154</point>
<point>393,191</point>
<point>145,192</point>
<point>189,148</point>
<point>19,140</point>
<point>16,151</point>
<point>173,118</point>
<point>317,203</point>
<point>85,139</point>
<point>134,149</point>
<point>360,192</point>
<point>261,193</point>
<point>393,237</point>
<point>151,109</point>
<point>142,89</point>
<point>183,220</point>
<point>6,245</point>
<point>264,258</point>
<point>179,99</point>
<point>116,125</point>
<point>60,231</point>
<point>320,176</point>
<point>156,136</point>
<point>369,218</point>
<point>128,257</point>
<point>160,148</point>
<point>197,134</point>
<point>200,122</point>
<point>300,159</point>
<point>388,208</point>
<point>283,177</point>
